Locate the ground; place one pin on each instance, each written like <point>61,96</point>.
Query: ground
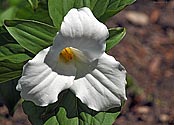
<point>147,52</point>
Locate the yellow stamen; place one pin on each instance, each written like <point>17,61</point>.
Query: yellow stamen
<point>66,54</point>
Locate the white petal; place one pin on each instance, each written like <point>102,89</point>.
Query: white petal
<point>82,63</point>
<point>42,84</point>
<point>81,30</point>
<point>104,87</point>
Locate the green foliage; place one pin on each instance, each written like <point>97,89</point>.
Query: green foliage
<point>52,121</point>
<point>34,3</point>
<point>76,113</point>
<point>12,57</point>
<point>14,2</point>
<point>69,112</point>
<point>82,3</point>
<point>18,9</point>
<point>32,35</point>
<point>115,36</point>
<point>102,9</point>
<point>8,14</point>
<point>38,13</point>
<point>58,9</point>
<point>114,7</point>
<point>14,53</point>
<point>9,70</point>
<point>33,112</point>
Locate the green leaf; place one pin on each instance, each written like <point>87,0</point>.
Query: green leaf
<point>101,118</point>
<point>8,14</point>
<point>12,57</point>
<point>52,121</point>
<point>34,112</point>
<point>100,7</point>
<point>9,70</point>
<point>85,3</point>
<point>32,35</point>
<point>5,37</point>
<point>14,2</point>
<point>114,7</point>
<point>80,3</point>
<point>64,120</point>
<point>34,3</point>
<point>38,14</point>
<point>10,95</point>
<point>115,35</point>
<point>74,112</point>
<point>69,110</point>
<point>14,53</point>
<point>58,9</point>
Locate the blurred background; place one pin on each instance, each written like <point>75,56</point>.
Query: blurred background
<point>147,52</point>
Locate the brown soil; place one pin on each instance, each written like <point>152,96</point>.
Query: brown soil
<point>147,52</point>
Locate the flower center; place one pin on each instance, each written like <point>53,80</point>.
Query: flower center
<point>66,54</point>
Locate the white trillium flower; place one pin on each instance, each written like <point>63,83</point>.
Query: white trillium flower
<point>76,61</point>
